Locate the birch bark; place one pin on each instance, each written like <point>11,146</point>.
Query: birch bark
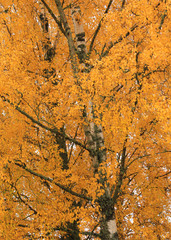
<point>95,139</point>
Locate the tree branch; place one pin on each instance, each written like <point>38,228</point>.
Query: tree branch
<point>146,155</point>
<point>98,28</point>
<point>54,17</point>
<point>162,19</point>
<point>24,202</point>
<point>121,175</point>
<point>68,35</point>
<point>118,41</point>
<point>163,175</point>
<point>23,166</point>
<point>52,130</point>
<point>123,3</point>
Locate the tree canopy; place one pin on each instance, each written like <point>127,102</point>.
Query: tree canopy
<point>84,119</point>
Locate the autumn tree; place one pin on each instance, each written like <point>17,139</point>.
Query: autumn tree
<point>84,112</point>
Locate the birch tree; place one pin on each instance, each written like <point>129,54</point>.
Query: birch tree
<point>85,124</point>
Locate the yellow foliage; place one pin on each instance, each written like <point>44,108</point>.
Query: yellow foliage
<point>50,187</point>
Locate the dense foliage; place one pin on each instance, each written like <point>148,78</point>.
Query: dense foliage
<point>84,119</point>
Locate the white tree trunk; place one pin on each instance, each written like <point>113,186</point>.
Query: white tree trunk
<point>95,139</point>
